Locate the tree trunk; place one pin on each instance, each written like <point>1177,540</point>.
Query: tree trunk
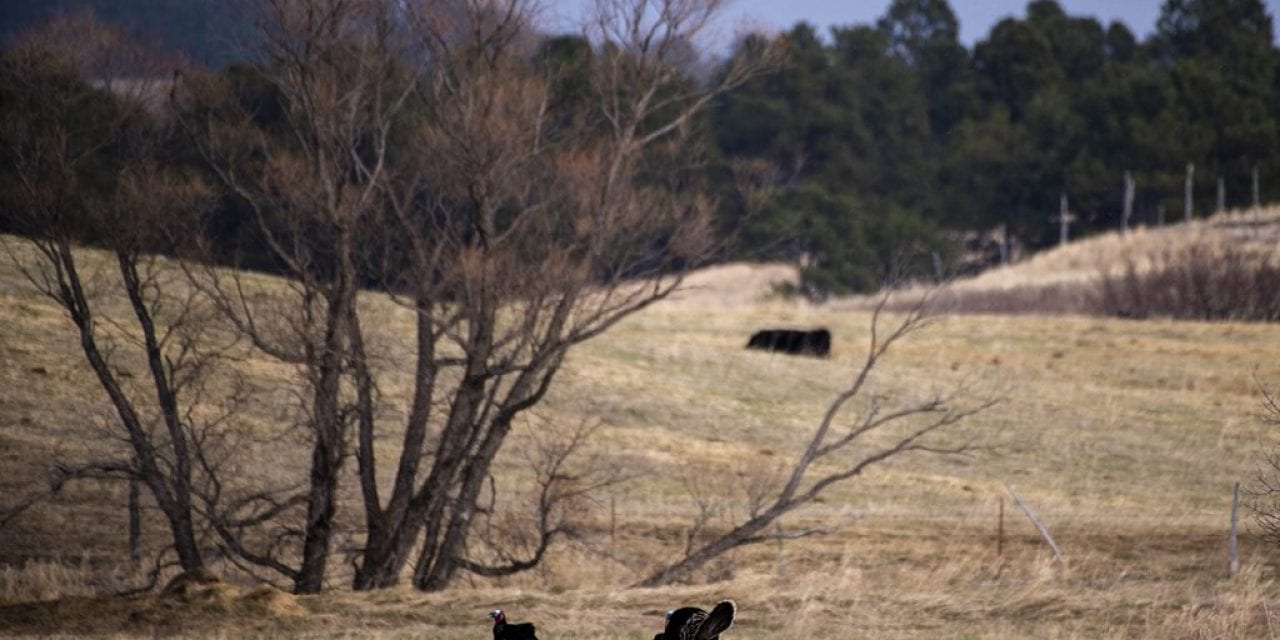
<point>328,449</point>
<point>386,555</point>
<point>76,303</point>
<point>321,509</point>
<point>392,530</point>
<point>167,398</point>
<point>437,566</point>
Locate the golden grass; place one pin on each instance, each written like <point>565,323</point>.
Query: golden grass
<point>1125,436</point>
<point>1086,259</point>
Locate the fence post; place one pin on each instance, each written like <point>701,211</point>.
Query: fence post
<point>1233,556</point>
<point>1188,192</point>
<point>1000,531</point>
<point>1257,191</point>
<point>1005,242</point>
<point>1064,221</point>
<point>1222,194</point>
<point>1044,533</point>
<point>1129,187</point>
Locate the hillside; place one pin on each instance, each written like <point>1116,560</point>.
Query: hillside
<point>1069,279</point>
<point>1086,259</point>
<point>1124,436</point>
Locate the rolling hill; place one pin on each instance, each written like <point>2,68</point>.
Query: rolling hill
<point>1124,436</point>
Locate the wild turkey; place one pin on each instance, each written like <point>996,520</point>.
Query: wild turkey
<point>692,623</point>
<point>503,630</point>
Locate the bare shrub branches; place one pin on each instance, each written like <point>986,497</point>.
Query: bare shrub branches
<point>878,430</point>
<point>1264,493</point>
<point>565,480</point>
<point>517,203</point>
<point>92,155</point>
<point>1198,282</point>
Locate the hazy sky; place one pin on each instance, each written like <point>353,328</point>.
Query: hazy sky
<point>976,16</point>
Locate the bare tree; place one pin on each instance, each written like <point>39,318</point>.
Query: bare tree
<point>852,422</point>
<point>532,223</point>
<point>314,183</point>
<point>516,205</point>
<point>85,151</point>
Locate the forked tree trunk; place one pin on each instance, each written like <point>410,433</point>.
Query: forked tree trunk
<point>176,511</point>
<point>439,564</point>
<point>328,449</point>
<point>413,508</point>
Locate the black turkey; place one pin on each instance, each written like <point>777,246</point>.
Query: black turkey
<point>503,630</point>
<point>692,623</point>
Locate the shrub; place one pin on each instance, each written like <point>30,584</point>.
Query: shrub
<point>1200,281</point>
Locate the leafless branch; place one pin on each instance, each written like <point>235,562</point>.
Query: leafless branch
<point>913,424</point>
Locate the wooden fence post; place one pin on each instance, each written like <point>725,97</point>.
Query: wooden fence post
<point>1044,533</point>
<point>1005,244</point>
<point>1000,531</point>
<point>1188,192</point>
<point>1064,221</point>
<point>1233,556</point>
<point>1222,194</point>
<point>1129,188</point>
<point>1257,190</point>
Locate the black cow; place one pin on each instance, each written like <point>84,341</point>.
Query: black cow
<point>801,343</point>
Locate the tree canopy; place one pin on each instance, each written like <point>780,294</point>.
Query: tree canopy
<point>889,143</point>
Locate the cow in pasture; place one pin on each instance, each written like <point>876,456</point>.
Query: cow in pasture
<point>801,343</point>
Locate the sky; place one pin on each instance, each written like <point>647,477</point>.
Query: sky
<point>976,16</point>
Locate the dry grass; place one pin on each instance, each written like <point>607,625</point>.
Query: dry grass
<point>1125,436</point>
<point>1070,279</point>
<point>1085,259</point>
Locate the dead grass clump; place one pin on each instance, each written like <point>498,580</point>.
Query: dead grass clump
<point>201,590</point>
<point>267,600</point>
<point>186,584</point>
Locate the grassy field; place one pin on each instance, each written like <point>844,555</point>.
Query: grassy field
<point>1125,437</point>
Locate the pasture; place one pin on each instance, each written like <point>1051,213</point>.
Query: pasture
<point>1124,436</point>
